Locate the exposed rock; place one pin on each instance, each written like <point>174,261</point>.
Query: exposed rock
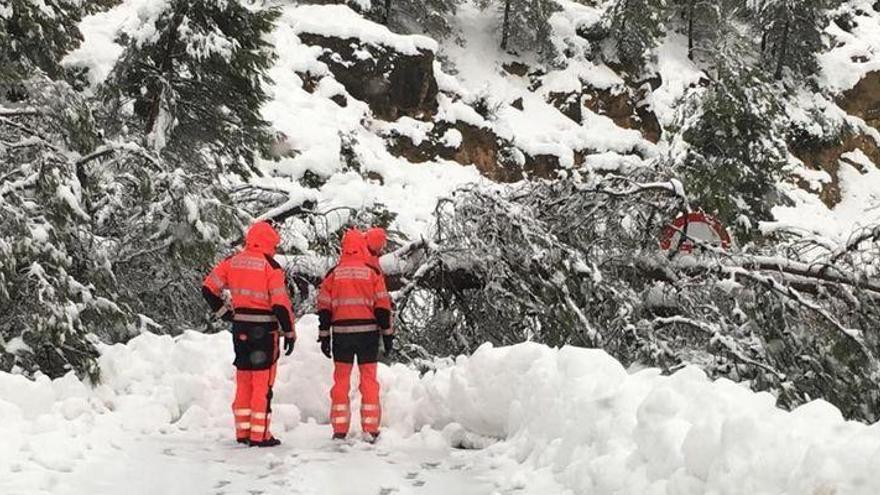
<point>517,104</point>
<point>391,83</point>
<point>626,108</point>
<point>827,157</point>
<point>569,104</point>
<point>495,157</point>
<point>516,68</point>
<point>309,81</point>
<point>542,166</point>
<point>340,100</point>
<point>863,100</point>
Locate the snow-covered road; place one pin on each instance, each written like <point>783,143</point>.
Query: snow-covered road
<point>548,421</point>
<point>307,463</point>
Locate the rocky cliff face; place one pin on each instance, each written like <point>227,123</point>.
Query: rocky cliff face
<point>862,101</point>
<point>393,84</point>
<point>399,85</point>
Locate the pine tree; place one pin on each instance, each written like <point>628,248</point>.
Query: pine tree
<point>701,19</point>
<point>35,35</point>
<point>196,83</point>
<point>525,24</point>
<point>735,148</point>
<point>634,26</point>
<point>197,89</point>
<point>791,33</point>
<point>430,17</point>
<point>56,287</point>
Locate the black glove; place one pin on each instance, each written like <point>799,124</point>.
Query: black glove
<point>388,342</point>
<point>325,346</point>
<point>288,345</point>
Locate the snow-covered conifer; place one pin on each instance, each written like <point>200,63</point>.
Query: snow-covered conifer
<point>432,17</point>
<point>634,27</point>
<point>191,79</point>
<point>35,35</point>
<point>791,33</point>
<point>525,24</point>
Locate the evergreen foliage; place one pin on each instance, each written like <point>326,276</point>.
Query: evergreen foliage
<point>525,25</point>
<point>34,35</point>
<point>192,83</point>
<point>735,148</point>
<point>791,33</point>
<point>701,20</point>
<point>55,283</point>
<point>634,27</point>
<point>109,223</point>
<point>577,263</point>
<point>432,17</point>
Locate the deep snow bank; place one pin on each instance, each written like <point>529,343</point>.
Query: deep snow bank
<point>573,411</point>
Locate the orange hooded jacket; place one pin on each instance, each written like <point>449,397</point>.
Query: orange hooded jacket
<point>353,297</point>
<point>255,281</point>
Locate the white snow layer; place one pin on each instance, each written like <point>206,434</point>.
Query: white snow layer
<point>340,21</point>
<point>568,420</point>
<point>855,53</point>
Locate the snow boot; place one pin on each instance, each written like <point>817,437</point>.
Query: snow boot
<point>245,440</point>
<point>272,442</point>
<point>371,437</point>
<point>339,436</point>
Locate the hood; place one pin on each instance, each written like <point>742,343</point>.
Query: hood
<point>354,247</point>
<point>376,240</point>
<point>262,237</point>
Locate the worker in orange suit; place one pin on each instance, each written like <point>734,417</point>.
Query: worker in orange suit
<point>355,309</point>
<point>260,308</point>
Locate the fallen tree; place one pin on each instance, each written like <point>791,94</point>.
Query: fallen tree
<point>567,263</point>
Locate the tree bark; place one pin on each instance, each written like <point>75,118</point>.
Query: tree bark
<point>690,15</point>
<point>505,28</point>
<point>783,49</point>
<point>165,72</point>
<point>387,12</point>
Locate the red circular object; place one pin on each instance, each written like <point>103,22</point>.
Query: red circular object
<point>700,226</point>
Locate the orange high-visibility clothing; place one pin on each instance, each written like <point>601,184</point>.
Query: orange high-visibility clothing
<point>353,297</point>
<point>260,305</point>
<point>354,305</point>
<point>376,240</point>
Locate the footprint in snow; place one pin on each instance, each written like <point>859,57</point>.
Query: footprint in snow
<point>430,465</point>
<point>387,490</point>
<point>221,484</point>
<point>169,452</point>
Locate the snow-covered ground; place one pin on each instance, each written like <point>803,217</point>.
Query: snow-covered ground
<point>549,421</point>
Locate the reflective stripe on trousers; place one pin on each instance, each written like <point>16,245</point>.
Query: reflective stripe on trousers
<point>250,318</point>
<point>356,328</point>
<point>340,411</point>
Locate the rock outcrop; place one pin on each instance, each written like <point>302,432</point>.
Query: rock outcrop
<point>863,100</point>
<point>495,157</point>
<point>626,106</point>
<point>393,84</point>
<point>827,157</point>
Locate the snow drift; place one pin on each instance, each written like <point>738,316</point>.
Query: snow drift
<point>574,412</point>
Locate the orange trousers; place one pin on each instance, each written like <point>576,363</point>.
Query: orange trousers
<point>340,411</point>
<point>252,406</point>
